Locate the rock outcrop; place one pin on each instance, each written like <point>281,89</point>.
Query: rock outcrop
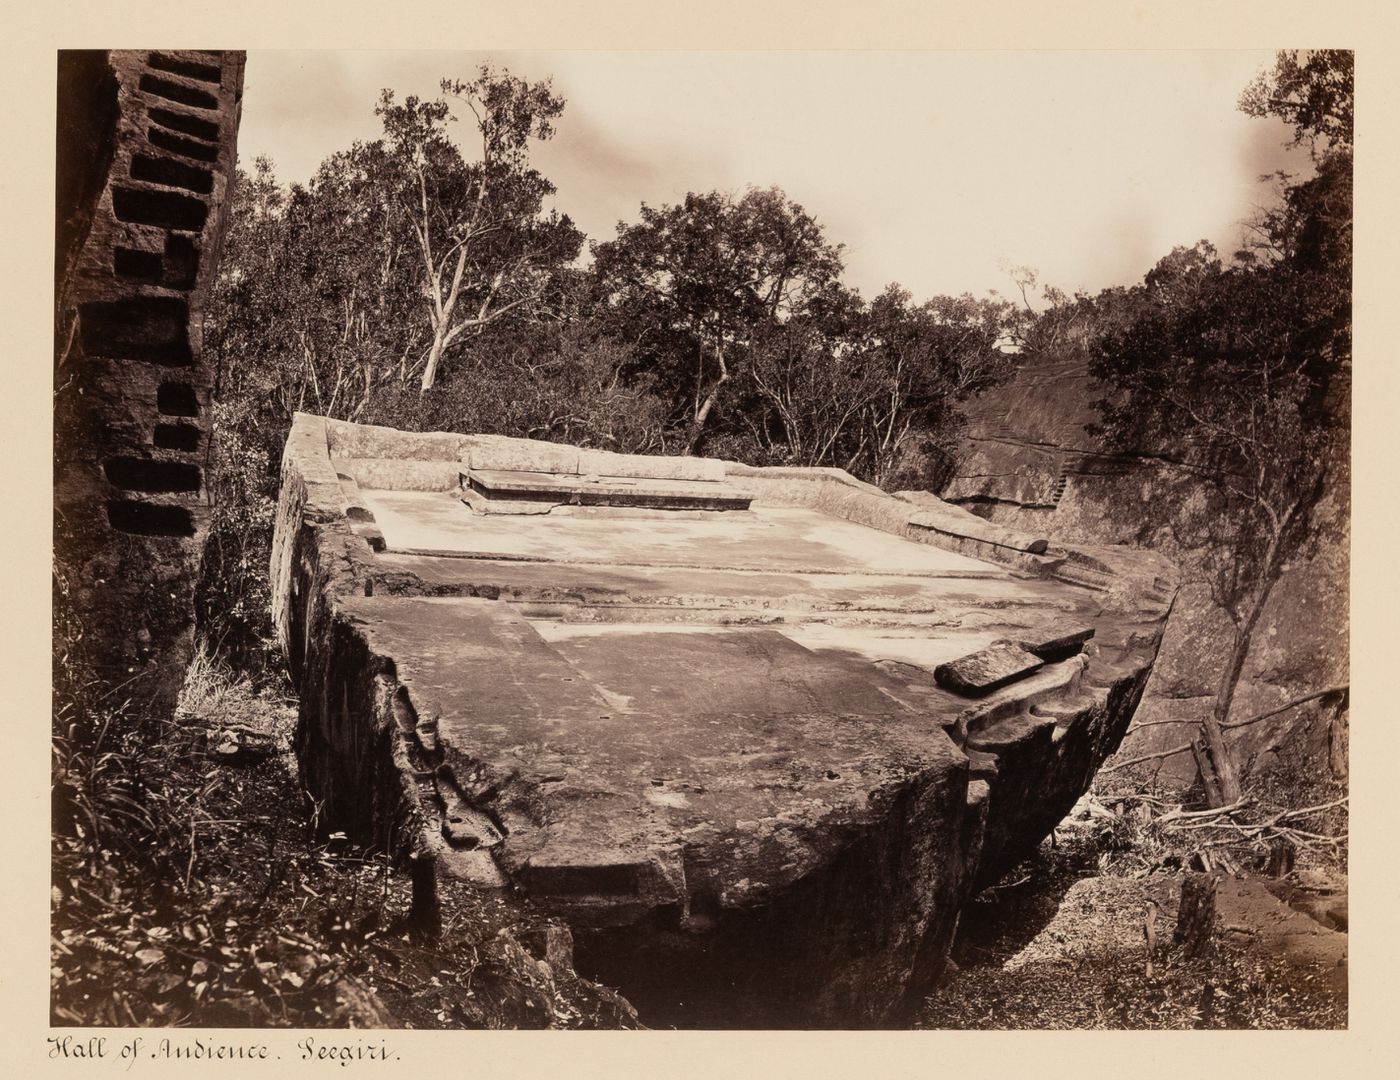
<point>1029,464</point>
<point>710,739</point>
<point>146,148</point>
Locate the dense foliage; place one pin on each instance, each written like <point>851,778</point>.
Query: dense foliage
<point>1238,370</point>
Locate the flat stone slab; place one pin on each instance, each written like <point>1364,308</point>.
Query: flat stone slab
<point>644,782</point>
<point>757,758</point>
<point>987,669</point>
<point>769,539</point>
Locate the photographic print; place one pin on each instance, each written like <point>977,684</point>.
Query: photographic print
<point>611,540</point>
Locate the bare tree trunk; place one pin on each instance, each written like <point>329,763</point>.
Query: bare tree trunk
<point>1213,758</point>
<point>1195,919</point>
<point>697,429</point>
<point>434,355</point>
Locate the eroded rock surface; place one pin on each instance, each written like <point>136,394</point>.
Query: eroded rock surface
<point>146,145</point>
<point>1028,464</point>
<point>707,736</point>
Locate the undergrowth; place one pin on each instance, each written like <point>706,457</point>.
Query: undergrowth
<point>1061,941</point>
<point>188,890</point>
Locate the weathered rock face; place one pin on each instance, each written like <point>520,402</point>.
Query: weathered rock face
<point>708,737</point>
<point>1029,464</point>
<point>145,165</point>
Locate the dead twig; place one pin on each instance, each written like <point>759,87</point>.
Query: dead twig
<point>1008,885</point>
<point>1160,755</point>
<point>1218,811</point>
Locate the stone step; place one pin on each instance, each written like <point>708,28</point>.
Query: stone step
<point>596,490</point>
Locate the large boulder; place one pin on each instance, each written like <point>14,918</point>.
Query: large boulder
<point>711,740</point>
<point>1028,463</point>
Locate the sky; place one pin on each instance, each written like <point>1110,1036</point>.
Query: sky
<point>937,170</point>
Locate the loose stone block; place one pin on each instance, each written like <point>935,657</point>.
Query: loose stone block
<point>500,452</point>
<point>987,669</point>
<point>607,463</point>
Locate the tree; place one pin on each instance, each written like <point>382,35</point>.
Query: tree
<point>486,247</point>
<point>856,385</point>
<point>1313,90</point>
<point>807,384</point>
<point>931,356</point>
<point>693,287</point>
<point>1237,373</point>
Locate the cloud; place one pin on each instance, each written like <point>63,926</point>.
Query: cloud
<point>931,167</point>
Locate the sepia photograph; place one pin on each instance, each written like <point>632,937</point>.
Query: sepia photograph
<point>708,540</point>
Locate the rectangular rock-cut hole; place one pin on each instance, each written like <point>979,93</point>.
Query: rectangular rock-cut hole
<point>181,261</point>
<point>188,125</point>
<point>165,209</point>
<point>178,144</point>
<point>143,519</point>
<point>172,174</point>
<point>137,265</point>
<point>189,68</point>
<point>173,91</point>
<point>177,399</point>
<point>405,716</point>
<point>153,328</point>
<point>144,474</point>
<point>177,437</point>
<point>615,880</point>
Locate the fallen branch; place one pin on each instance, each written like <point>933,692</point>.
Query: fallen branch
<point>1220,825</point>
<point>1009,885</point>
<point>1217,811</point>
<point>1286,706</point>
<point>1314,809</point>
<point>1185,748</point>
<point>1145,757</point>
<point>1159,723</point>
<point>1320,837</point>
<point>1138,797</point>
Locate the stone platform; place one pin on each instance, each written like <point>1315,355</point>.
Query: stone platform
<point>691,707</point>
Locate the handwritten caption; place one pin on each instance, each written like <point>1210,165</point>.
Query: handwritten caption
<point>134,1048</point>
